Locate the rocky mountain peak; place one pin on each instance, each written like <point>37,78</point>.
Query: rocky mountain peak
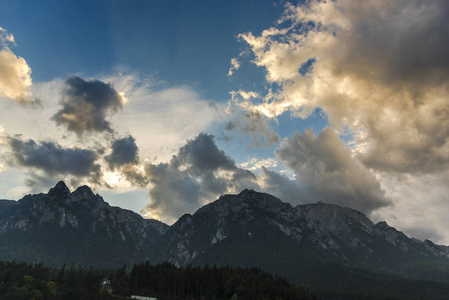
<point>241,202</point>
<point>60,190</point>
<point>383,226</point>
<point>248,193</point>
<point>83,192</point>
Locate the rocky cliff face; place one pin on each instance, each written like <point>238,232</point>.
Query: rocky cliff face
<point>257,228</point>
<point>78,227</point>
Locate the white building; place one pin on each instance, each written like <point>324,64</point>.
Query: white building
<point>142,297</point>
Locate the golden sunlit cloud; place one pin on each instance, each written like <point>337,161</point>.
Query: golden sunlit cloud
<point>393,104</point>
<point>15,74</point>
<point>15,77</point>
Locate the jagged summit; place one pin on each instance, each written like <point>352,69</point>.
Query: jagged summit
<point>251,194</point>
<point>232,202</point>
<point>83,192</point>
<point>382,225</point>
<point>75,228</point>
<point>60,190</point>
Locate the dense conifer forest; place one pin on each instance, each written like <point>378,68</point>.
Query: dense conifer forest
<point>163,281</point>
<point>168,282</point>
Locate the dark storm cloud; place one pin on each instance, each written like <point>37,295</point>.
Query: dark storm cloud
<point>54,159</point>
<point>204,156</point>
<point>124,151</point>
<point>326,171</point>
<point>86,104</point>
<point>200,172</point>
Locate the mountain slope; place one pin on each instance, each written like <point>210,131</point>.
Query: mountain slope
<point>303,243</point>
<point>74,228</point>
<point>258,229</point>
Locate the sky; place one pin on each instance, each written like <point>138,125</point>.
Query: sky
<point>163,106</point>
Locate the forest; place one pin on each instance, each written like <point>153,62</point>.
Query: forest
<point>165,281</point>
<point>162,281</point>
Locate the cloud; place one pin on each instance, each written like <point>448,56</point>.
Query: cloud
<point>124,151</point>
<point>256,125</point>
<point>202,155</point>
<point>284,188</point>
<point>124,160</point>
<point>376,68</point>
<point>379,71</point>
<point>419,206</point>
<point>170,116</point>
<point>255,164</point>
<point>198,173</point>
<point>235,65</point>
<point>86,104</point>
<point>37,182</point>
<point>173,193</point>
<point>173,113</point>
<point>53,159</point>
<point>248,120</point>
<point>323,167</point>
<point>6,37</point>
<point>15,74</point>
<point>326,171</point>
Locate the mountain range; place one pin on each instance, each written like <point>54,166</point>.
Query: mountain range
<point>300,242</point>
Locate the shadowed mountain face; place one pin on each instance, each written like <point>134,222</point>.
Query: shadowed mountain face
<point>74,228</point>
<point>248,229</point>
<point>254,228</point>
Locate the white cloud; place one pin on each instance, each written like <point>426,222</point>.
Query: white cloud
<point>235,65</point>
<point>6,37</point>
<point>255,164</point>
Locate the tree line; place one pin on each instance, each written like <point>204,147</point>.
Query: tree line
<point>162,281</point>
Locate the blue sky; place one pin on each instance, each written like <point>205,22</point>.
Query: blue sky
<point>162,106</point>
<point>183,42</point>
